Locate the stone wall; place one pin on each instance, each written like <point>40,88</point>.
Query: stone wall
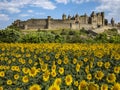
<point>59,24</point>
<point>75,22</point>
<point>84,20</point>
<point>35,24</point>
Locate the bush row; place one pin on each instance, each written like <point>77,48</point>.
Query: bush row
<point>64,36</point>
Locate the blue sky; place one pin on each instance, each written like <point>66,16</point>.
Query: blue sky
<point>11,10</point>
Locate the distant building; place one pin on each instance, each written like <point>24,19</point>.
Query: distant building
<point>95,20</point>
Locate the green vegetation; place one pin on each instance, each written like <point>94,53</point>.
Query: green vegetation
<point>12,35</point>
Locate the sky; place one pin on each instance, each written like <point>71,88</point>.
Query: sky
<point>11,10</point>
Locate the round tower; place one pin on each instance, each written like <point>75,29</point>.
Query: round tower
<point>103,18</point>
<point>93,14</point>
<point>63,17</point>
<point>48,22</point>
<point>112,22</point>
<point>69,17</point>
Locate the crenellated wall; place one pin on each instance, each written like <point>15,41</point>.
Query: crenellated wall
<point>35,24</point>
<point>58,24</point>
<point>75,22</point>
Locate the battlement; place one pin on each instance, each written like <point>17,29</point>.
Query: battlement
<point>67,21</point>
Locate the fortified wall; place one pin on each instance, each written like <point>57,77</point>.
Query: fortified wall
<point>67,22</point>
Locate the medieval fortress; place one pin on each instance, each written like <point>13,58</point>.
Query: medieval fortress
<point>95,20</point>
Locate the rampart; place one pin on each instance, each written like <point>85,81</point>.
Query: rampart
<point>67,22</point>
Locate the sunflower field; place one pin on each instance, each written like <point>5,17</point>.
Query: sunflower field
<point>59,66</point>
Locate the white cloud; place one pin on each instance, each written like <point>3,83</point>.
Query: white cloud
<point>4,17</point>
<point>13,10</point>
<point>62,1</point>
<point>13,6</point>
<point>80,1</point>
<point>30,11</point>
<point>46,4</point>
<point>110,6</point>
<point>40,13</point>
<point>73,1</point>
<point>24,15</point>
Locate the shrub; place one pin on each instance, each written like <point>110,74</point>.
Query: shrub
<point>9,35</point>
<point>72,32</point>
<point>63,32</point>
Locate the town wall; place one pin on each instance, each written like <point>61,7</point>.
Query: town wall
<point>58,24</point>
<point>76,22</point>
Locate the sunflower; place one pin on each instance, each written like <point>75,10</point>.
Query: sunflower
<point>30,61</point>
<point>68,80</point>
<point>93,86</point>
<point>91,64</point>
<point>80,63</point>
<point>53,67</point>
<point>46,75</point>
<point>1,88</point>
<point>117,56</point>
<point>76,83</point>
<point>17,68</point>
<point>57,81</point>
<point>44,67</point>
<point>53,73</point>
<point>116,70</point>
<point>85,59</point>
<point>89,76</point>
<point>25,70</point>
<point>116,86</point>
<point>99,54</point>
<point>35,87</point>
<point>65,60</point>
<point>99,75</point>
<point>104,87</point>
<point>2,74</point>
<point>47,57</point>
<point>59,61</point>
<point>99,64</point>
<point>41,62</point>
<point>16,76</point>
<point>57,56</point>
<point>87,69</point>
<point>13,68</point>
<point>9,82</point>
<point>33,72</point>
<point>77,67</point>
<point>74,61</point>
<point>25,79</point>
<point>54,87</point>
<point>23,61</point>
<point>61,70</point>
<point>111,78</point>
<point>35,63</point>
<point>83,85</point>
<point>107,65</point>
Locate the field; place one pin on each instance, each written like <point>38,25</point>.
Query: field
<point>59,66</point>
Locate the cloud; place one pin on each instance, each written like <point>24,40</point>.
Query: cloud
<point>40,13</point>
<point>13,10</point>
<point>30,11</point>
<point>4,17</point>
<point>110,6</point>
<point>62,1</point>
<point>14,6</point>
<point>45,4</point>
<point>24,15</point>
<point>73,1</point>
<point>80,1</point>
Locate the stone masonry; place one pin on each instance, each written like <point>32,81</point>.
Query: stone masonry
<point>67,22</point>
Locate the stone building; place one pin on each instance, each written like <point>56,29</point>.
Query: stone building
<point>67,22</point>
